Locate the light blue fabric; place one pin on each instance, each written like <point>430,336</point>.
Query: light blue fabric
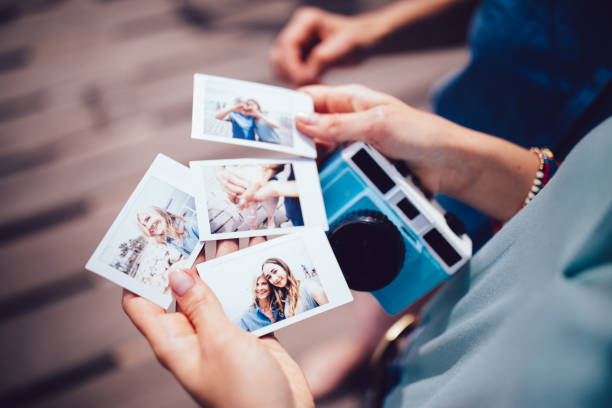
<point>243,127</point>
<point>528,322</point>
<point>266,133</point>
<point>254,319</point>
<point>189,240</point>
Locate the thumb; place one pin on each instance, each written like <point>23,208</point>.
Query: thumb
<point>196,300</point>
<point>338,127</point>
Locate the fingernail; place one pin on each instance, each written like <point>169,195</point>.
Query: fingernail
<point>307,118</point>
<point>180,282</point>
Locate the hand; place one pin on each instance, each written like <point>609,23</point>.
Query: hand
<point>356,113</point>
<point>231,182</point>
<point>265,173</point>
<point>268,190</point>
<point>486,172</point>
<point>331,36</point>
<point>216,362</point>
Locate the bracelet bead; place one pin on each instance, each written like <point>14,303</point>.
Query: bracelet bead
<point>546,169</point>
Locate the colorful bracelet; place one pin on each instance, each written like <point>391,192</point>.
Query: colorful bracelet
<point>547,168</point>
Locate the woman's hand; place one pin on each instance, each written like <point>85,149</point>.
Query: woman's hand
<point>484,171</point>
<point>231,182</point>
<point>353,112</point>
<point>331,37</point>
<point>314,39</point>
<point>276,188</point>
<point>217,363</point>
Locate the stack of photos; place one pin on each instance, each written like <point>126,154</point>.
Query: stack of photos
<point>174,210</point>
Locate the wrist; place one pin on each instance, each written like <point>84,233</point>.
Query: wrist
<point>488,173</point>
<point>385,21</point>
<point>371,28</point>
<point>461,161</point>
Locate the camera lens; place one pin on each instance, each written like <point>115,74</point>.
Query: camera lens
<point>369,249</point>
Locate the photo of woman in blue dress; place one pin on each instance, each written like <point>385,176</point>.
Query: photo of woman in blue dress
<point>265,308</point>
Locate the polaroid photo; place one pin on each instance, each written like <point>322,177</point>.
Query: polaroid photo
<point>250,197</point>
<point>250,114</point>
<point>277,283</point>
<point>156,231</point>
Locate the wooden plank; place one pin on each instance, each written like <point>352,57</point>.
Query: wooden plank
<point>62,335</point>
<point>57,253</point>
<point>144,385</point>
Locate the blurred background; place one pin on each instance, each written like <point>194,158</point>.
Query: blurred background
<point>90,92</point>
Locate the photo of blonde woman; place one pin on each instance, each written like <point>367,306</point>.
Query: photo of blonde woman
<point>265,309</point>
<point>296,296</point>
<point>159,233</point>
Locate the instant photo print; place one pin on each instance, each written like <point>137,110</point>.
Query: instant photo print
<point>388,237</point>
<point>156,231</point>
<point>242,113</point>
<point>277,283</point>
<point>254,197</point>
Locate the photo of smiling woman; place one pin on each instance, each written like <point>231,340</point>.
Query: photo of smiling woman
<point>168,229</point>
<point>265,308</point>
<point>296,296</point>
<point>158,232</point>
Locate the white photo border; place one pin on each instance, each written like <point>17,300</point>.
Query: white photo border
<point>176,175</point>
<point>309,189</point>
<point>318,250</point>
<point>302,145</point>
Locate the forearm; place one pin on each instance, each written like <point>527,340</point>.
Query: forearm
<point>387,20</point>
<point>223,114</point>
<point>285,188</point>
<point>487,172</point>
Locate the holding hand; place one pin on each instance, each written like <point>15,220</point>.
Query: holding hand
<point>217,363</point>
<point>356,113</point>
<point>231,182</point>
<point>486,172</point>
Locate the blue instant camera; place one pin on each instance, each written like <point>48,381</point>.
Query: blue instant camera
<point>388,237</point>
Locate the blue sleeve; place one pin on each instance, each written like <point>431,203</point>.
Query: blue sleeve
<point>243,325</point>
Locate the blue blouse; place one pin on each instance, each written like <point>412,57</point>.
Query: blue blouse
<point>189,240</point>
<point>243,127</point>
<point>540,74</point>
<point>254,319</point>
<point>266,133</point>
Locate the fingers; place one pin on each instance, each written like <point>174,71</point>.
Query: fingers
<point>152,321</point>
<point>231,189</point>
<point>194,298</point>
<point>226,246</point>
<point>228,177</point>
<point>287,54</point>
<point>345,98</point>
<point>327,52</point>
<point>340,127</point>
<point>256,240</point>
<point>197,301</point>
<point>139,309</point>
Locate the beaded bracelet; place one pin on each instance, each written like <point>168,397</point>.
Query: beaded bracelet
<point>546,170</point>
